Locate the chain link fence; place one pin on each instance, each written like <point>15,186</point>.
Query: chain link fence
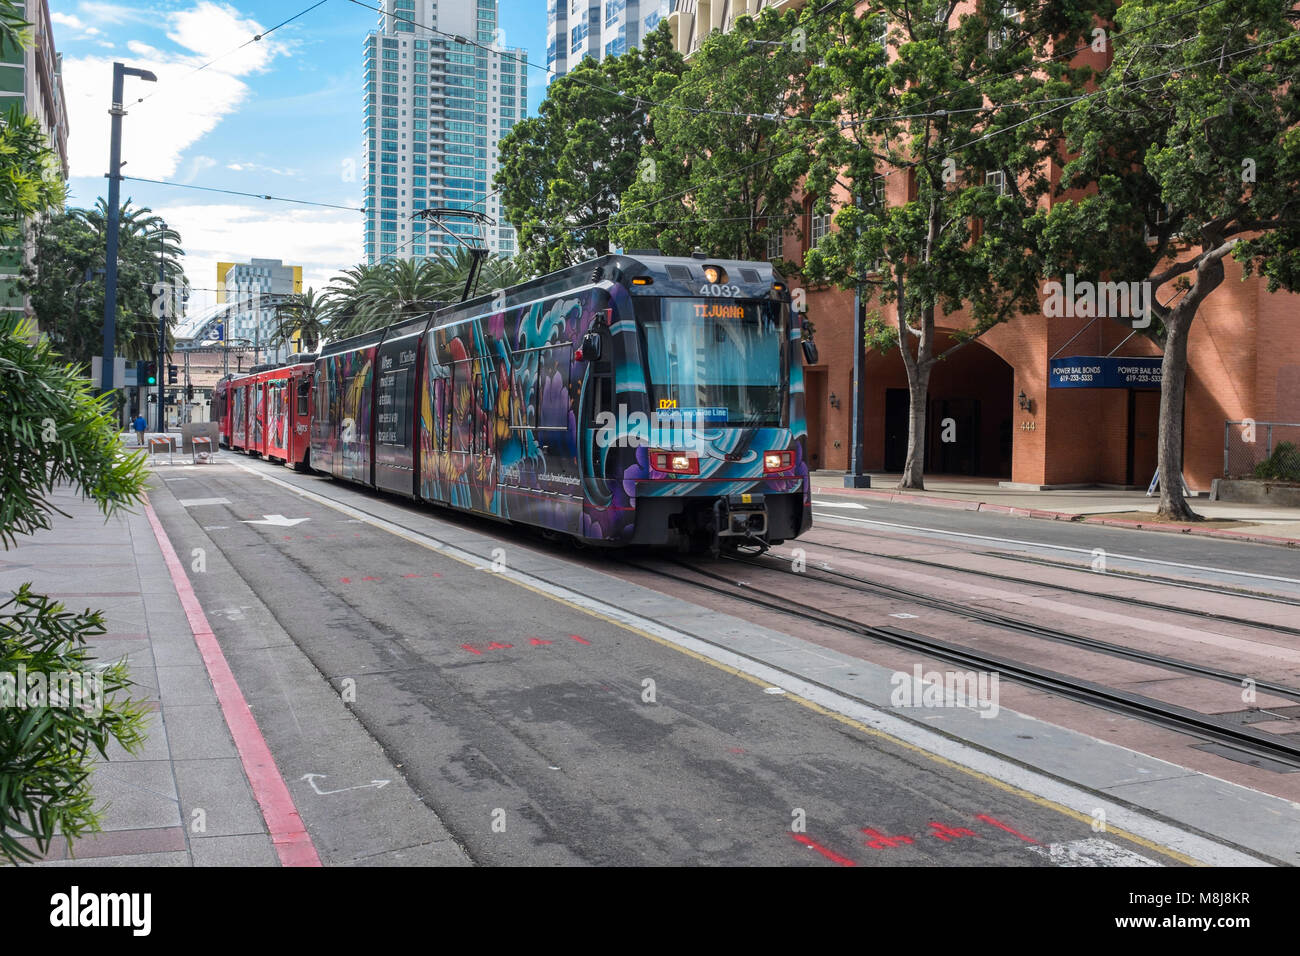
<point>1254,449</point>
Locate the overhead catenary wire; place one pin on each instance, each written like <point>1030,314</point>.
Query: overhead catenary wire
<point>251,40</point>
<point>236,192</point>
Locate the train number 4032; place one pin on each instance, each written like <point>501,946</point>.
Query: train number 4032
<point>719,290</point>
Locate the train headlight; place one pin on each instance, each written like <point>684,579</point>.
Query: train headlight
<point>675,462</point>
<point>777,461</point>
<point>715,274</point>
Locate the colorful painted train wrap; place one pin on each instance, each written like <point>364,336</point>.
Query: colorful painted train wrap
<point>625,400</point>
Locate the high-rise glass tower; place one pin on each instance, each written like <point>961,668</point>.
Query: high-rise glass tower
<point>441,91</point>
<point>597,28</point>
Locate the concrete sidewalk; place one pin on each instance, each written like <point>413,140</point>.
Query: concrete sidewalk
<point>1249,522</point>
<point>184,799</point>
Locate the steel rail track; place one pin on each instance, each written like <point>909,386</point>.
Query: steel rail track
<point>1244,739</point>
<point>1035,630</point>
<point>1138,602</point>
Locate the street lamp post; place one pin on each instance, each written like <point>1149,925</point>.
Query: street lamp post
<point>120,72</point>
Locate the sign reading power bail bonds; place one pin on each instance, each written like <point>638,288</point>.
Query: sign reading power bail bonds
<point>1104,371</point>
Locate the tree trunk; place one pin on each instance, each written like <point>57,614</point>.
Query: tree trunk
<point>918,392</point>
<point>1172,390</point>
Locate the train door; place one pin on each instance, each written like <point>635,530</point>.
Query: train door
<point>257,417</point>
<point>277,419</point>
<point>395,414</point>
<point>323,435</point>
<point>300,417</point>
<point>239,416</point>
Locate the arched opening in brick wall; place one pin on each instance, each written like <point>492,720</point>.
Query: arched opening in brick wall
<point>968,421</point>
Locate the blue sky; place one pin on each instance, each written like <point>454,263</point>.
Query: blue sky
<point>281,116</point>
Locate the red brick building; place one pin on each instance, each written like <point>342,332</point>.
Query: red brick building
<point>1243,359</point>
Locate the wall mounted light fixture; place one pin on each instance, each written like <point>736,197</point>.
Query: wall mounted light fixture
<point>835,402</point>
<point>1024,402</point>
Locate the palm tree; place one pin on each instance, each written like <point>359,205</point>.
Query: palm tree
<point>304,314</point>
<point>398,289</point>
<point>346,298</point>
<point>144,240</point>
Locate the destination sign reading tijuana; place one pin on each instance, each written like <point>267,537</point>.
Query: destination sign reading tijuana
<point>712,310</point>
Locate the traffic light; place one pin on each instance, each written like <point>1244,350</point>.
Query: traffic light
<point>151,373</point>
<point>171,374</point>
<point>153,399</point>
<point>189,393</point>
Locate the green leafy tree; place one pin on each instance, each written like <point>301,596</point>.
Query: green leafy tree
<point>1190,153</point>
<point>729,147</point>
<point>53,432</point>
<point>29,173</point>
<point>960,116</point>
<point>563,172</point>
<point>65,280</point>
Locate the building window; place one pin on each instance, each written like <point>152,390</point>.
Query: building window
<point>819,228</point>
<point>998,180</point>
<point>1007,31</point>
<point>775,245</point>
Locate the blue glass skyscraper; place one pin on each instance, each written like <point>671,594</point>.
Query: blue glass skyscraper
<point>441,89</point>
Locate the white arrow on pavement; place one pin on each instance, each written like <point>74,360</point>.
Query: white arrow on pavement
<point>313,777</point>
<point>279,521</point>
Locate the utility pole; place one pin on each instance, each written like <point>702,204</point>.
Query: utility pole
<point>162,334</point>
<point>120,72</point>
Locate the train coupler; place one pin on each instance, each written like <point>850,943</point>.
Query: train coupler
<point>739,520</point>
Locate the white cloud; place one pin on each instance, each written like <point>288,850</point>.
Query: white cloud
<point>177,111</point>
<point>258,167</point>
<point>68,20</point>
<point>197,165</point>
<point>115,13</point>
<point>322,241</point>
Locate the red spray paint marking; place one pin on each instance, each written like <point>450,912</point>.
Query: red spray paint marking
<point>538,642</point>
<point>345,580</point>
<point>1002,826</point>
<point>879,841</point>
<point>498,646</point>
<point>829,854</point>
<point>472,649</point>
<point>580,640</point>
<point>735,750</point>
<point>410,575</point>
<point>289,836</point>
<point>947,834</point>
<point>370,579</point>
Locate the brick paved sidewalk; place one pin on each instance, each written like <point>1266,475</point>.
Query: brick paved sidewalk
<point>184,799</point>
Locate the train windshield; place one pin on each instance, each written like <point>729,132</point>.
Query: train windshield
<point>720,360</point>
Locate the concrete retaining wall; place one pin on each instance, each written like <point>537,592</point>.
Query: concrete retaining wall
<point>1258,492</point>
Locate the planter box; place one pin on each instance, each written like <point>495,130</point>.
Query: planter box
<point>1257,491</point>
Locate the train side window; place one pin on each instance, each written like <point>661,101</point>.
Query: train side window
<point>304,389</point>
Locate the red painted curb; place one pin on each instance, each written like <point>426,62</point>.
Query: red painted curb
<point>965,505</point>
<point>288,834</point>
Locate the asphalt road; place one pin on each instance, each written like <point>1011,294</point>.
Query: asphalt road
<point>527,727</point>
